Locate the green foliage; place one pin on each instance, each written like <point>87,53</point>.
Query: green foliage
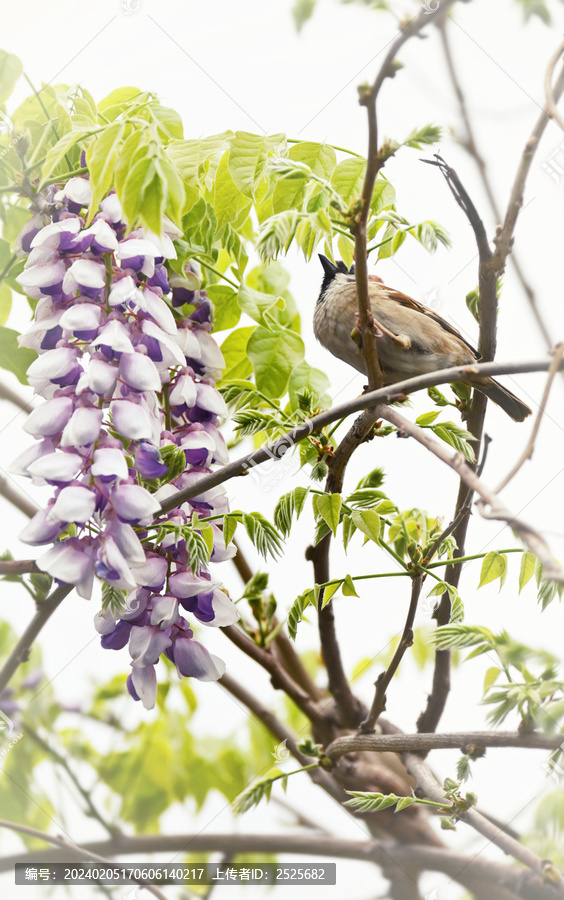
<point>297,610</point>
<point>494,566</point>
<point>290,503</point>
<point>369,802</point>
<point>449,432</point>
<point>12,357</point>
<point>537,8</point>
<point>10,71</point>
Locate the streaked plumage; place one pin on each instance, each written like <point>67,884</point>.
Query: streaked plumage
<point>429,342</point>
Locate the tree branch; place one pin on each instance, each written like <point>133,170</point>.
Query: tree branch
<point>473,742</point>
<point>383,680</point>
<point>20,653</point>
<point>551,94</point>
<point>534,541</point>
<point>530,446</point>
<point>384,395</point>
<point>469,870</point>
<point>434,791</point>
<point>17,566</point>
<point>70,847</point>
<point>351,709</point>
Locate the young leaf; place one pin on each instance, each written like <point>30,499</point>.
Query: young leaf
<point>494,566</point>
<point>296,613</point>
<point>349,589</point>
<point>367,521</point>
<point>285,508</point>
<point>328,506</point>
<point>528,561</point>
<point>274,354</point>
<point>328,592</point>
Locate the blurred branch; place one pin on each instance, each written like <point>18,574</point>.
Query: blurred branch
<point>20,653</point>
<point>16,497</point>
<point>7,393</point>
<point>71,847</point>
<point>530,446</point>
<point>552,94</point>
<point>473,742</point>
<point>468,870</point>
<point>17,566</point>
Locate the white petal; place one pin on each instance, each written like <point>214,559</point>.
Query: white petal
<point>74,504</point>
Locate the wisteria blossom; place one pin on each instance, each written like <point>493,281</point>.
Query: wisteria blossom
<point>127,366</point>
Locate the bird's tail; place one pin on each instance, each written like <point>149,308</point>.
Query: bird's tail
<point>504,398</point>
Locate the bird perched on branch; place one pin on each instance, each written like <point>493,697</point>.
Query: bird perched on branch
<point>411,338</point>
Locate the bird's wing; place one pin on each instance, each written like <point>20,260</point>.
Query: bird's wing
<point>410,303</point>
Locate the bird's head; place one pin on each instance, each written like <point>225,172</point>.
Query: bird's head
<point>330,270</point>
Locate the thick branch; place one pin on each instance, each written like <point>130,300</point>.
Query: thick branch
<point>383,680</point>
<point>278,676</point>
<point>282,733</point>
<point>411,857</point>
<point>17,566</point>
<point>473,742</point>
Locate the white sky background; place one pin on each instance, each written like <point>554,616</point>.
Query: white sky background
<point>243,66</point>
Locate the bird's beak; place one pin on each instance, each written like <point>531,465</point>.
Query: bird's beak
<point>328,267</point>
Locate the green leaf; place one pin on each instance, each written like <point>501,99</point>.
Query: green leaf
<point>346,249</point>
<point>320,158</point>
<point>226,310</point>
<point>132,193</point>
<point>494,566</point>
<point>348,177</point>
<point>383,195</point>
<point>349,589</point>
<point>491,677</point>
<point>302,10</point>
<point>10,70</point>
<point>101,157</point>
<point>367,521</point>
<point>428,134</point>
<point>114,103</point>
<point>457,437</point>
<point>229,528</point>
<point>427,418</point>
<point>263,534</point>
<point>5,302</point>
<point>296,612</point>
<point>228,200</point>
<point>167,120</point>
<point>404,802</point>
<point>57,153</point>
<point>289,503</point>
<point>255,304</point>
<point>154,200</point>
<point>528,562</point>
<point>274,354</point>
<point>234,350</point>
<point>305,376</point>
<point>14,358</point>
<point>328,506</point>
<point>328,591</point>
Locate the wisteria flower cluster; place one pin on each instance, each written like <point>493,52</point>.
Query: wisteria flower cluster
<point>130,417</point>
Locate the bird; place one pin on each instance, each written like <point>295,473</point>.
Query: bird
<point>411,338</point>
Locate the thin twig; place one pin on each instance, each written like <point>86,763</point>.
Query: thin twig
<point>71,847</point>
<point>20,653</point>
<point>383,680</point>
<point>530,446</point>
<point>93,812</point>
<point>434,791</point>
<point>17,566</point>
<point>473,742</point>
<point>550,94</point>
<point>534,541</point>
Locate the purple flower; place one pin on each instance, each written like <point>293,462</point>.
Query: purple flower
<point>139,372</point>
<point>83,427</point>
<point>133,503</point>
<point>193,660</point>
<point>75,503</point>
<point>148,461</point>
<point>86,276</point>
<point>68,562</point>
<point>153,574</point>
<point>146,644</point>
<point>142,684</point>
<point>50,418</point>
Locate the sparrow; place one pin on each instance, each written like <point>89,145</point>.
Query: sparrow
<point>411,338</point>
